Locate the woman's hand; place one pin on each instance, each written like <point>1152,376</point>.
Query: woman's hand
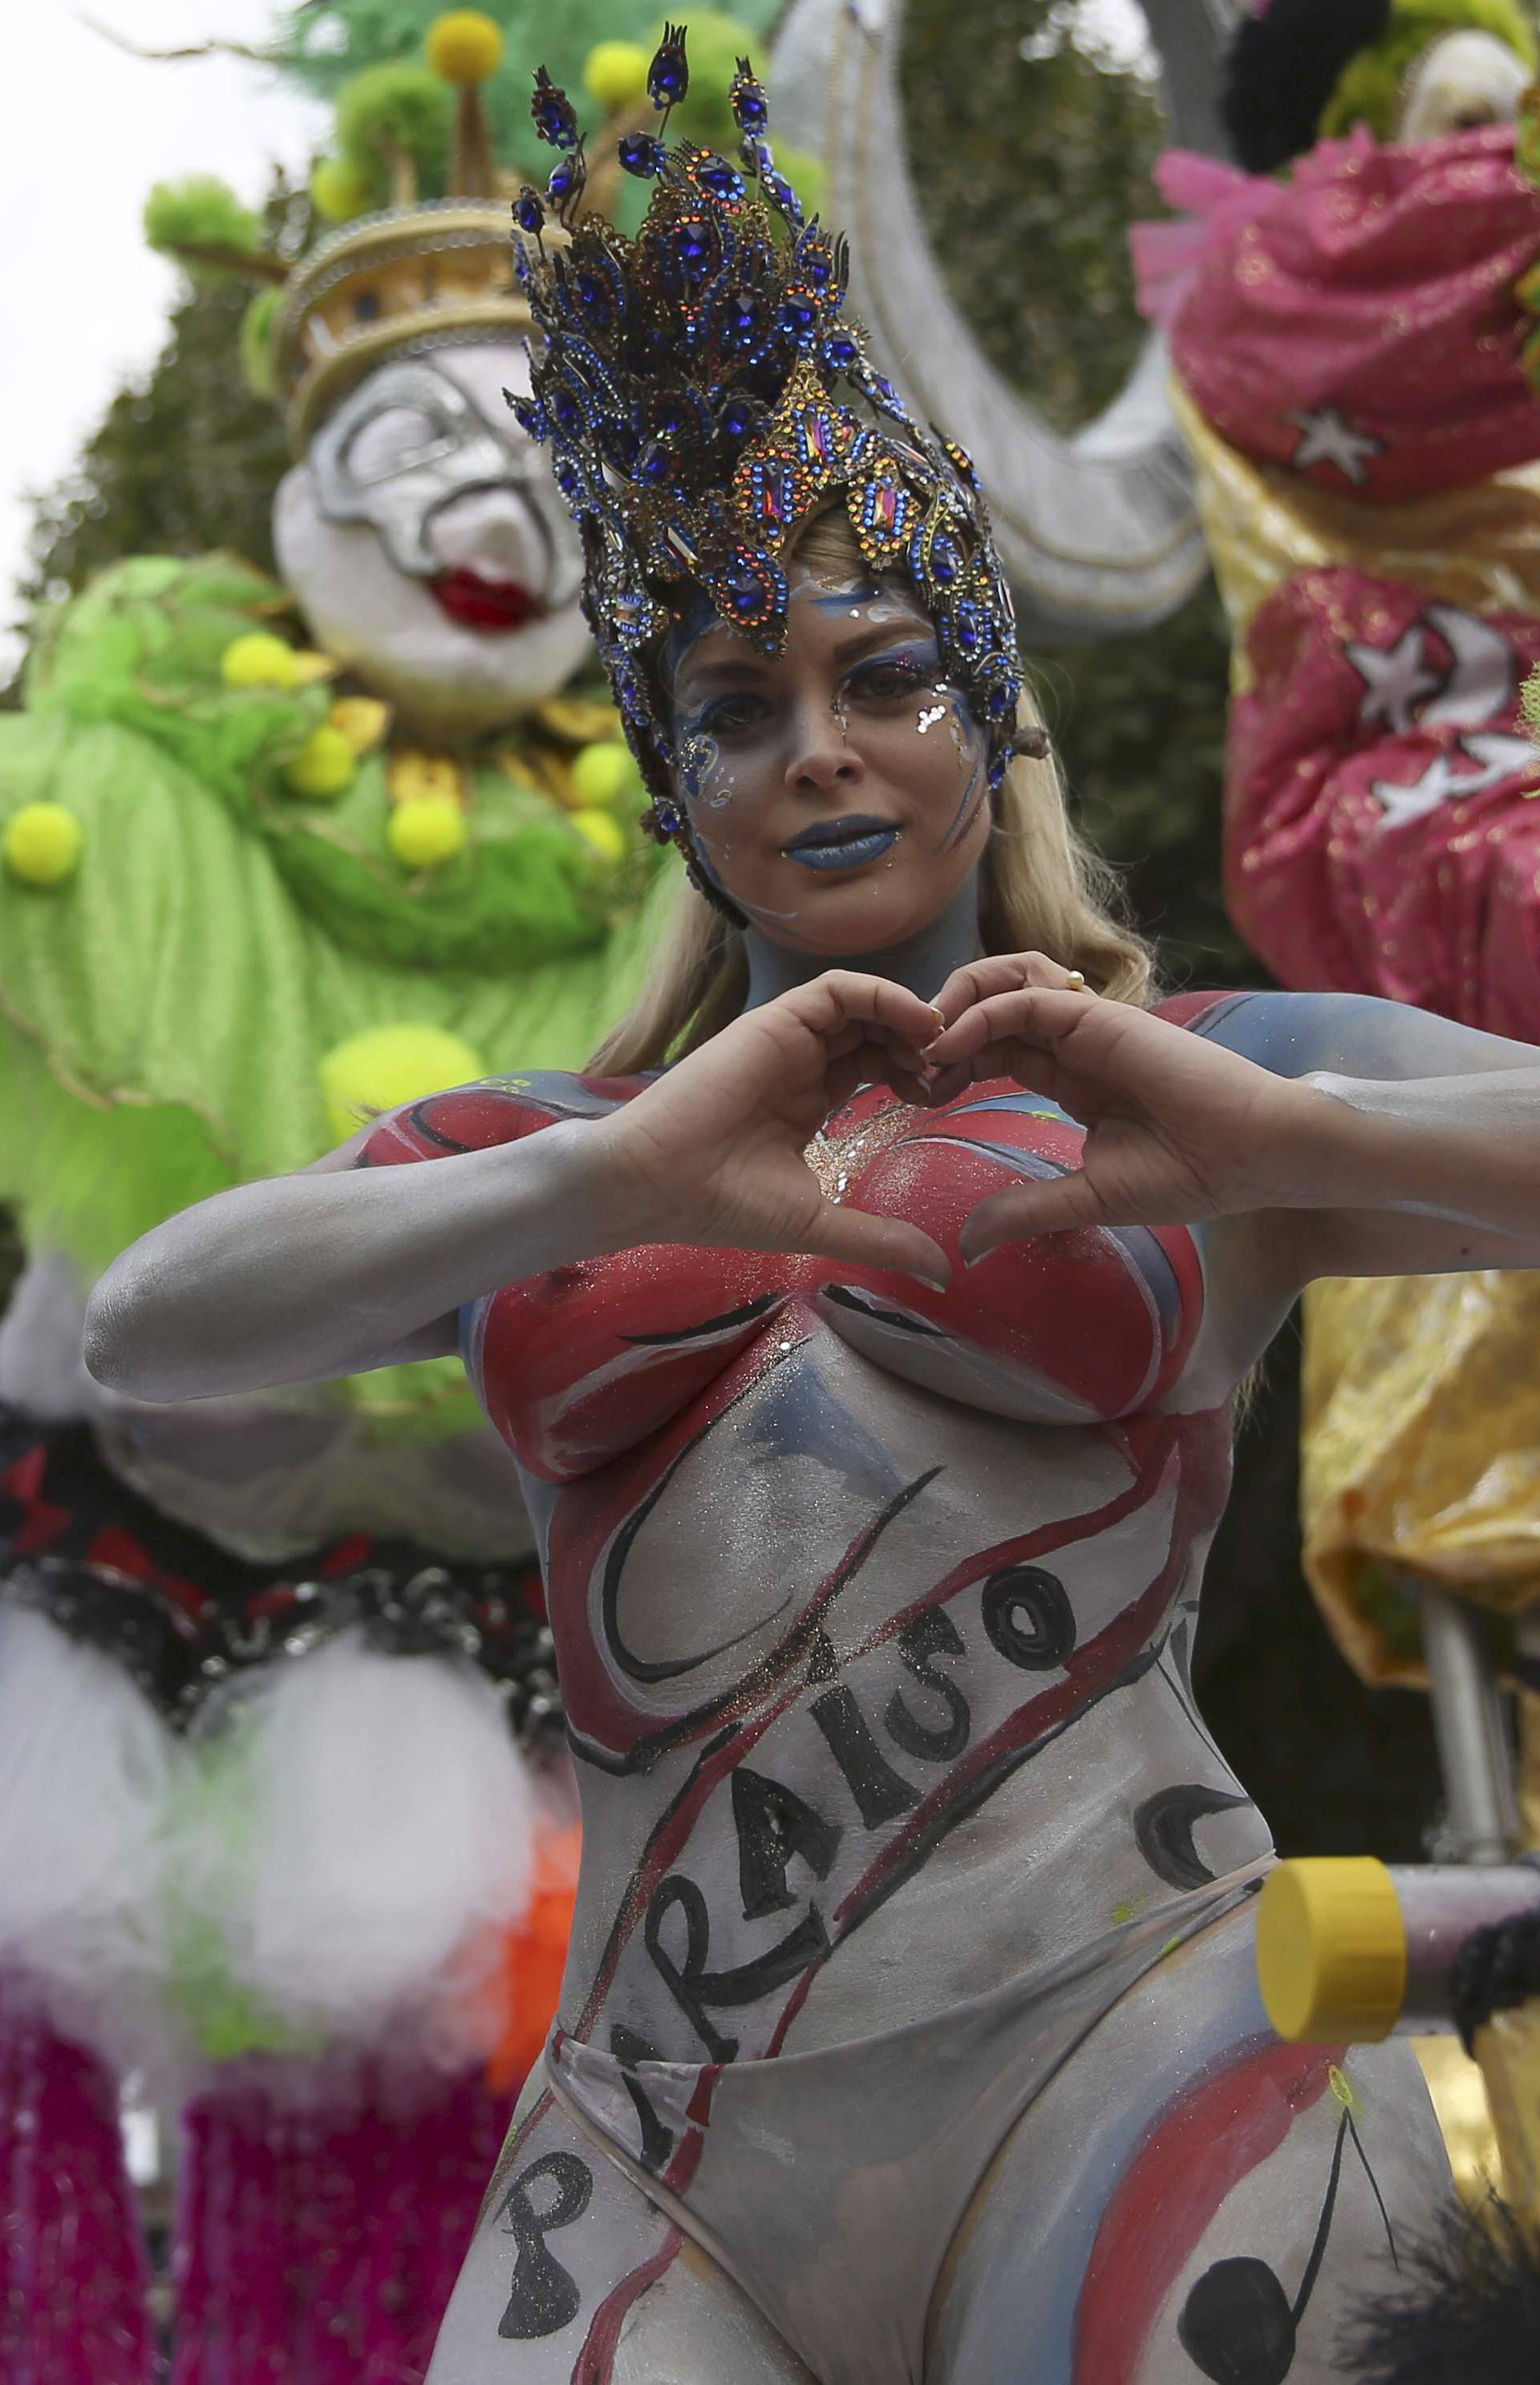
<point>712,1153</point>
<point>1177,1128</point>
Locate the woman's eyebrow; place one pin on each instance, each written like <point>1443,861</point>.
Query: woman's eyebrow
<point>886,633</point>
<point>733,668</point>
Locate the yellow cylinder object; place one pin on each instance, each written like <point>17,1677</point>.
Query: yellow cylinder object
<point>1331,1950</point>
<point>42,843</point>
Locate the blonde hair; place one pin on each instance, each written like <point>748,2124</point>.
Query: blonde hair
<point>1041,890</point>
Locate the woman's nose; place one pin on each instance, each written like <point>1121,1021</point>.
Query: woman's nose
<point>821,755</point>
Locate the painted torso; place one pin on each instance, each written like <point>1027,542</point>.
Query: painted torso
<point>873,1604</point>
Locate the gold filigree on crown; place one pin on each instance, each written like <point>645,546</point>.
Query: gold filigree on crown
<point>702,389</point>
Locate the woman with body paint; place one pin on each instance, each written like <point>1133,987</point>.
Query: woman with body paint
<point>867,1325</point>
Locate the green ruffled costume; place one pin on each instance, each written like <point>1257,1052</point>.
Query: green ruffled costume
<point>166,1009</point>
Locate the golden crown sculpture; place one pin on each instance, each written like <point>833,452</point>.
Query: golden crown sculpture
<point>405,279</point>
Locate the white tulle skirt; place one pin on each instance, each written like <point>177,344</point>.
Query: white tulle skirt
<point>331,1864</point>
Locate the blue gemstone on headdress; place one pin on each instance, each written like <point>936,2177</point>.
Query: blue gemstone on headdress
<point>841,353</point>
<point>743,588</point>
<point>595,297</point>
<point>965,629</point>
<point>668,818</point>
<point>882,388</point>
<point>746,98</point>
<point>529,209</point>
<point>758,157</point>
<point>943,561</point>
<point>641,153</point>
<point>568,413</point>
<point>566,176</point>
<point>797,317</point>
<point>655,463</point>
<point>781,195</point>
<point>668,76</point>
<point>556,118</point>
<point>529,413</point>
<point>737,417</point>
<point>998,768</point>
<point>739,322</point>
<point>724,182</point>
<point>1002,698</point>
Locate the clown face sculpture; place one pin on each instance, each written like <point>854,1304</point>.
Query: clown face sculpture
<point>425,540</point>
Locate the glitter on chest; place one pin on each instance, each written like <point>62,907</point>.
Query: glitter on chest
<point>834,1158</point>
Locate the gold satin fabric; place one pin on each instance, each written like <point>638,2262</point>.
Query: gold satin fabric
<point>1479,546</point>
<point>1508,2051</point>
<point>1420,1432</point>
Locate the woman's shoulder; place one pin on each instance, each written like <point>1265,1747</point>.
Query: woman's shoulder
<point>493,1110</point>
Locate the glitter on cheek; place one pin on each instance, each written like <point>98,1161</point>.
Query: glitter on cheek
<point>929,716</point>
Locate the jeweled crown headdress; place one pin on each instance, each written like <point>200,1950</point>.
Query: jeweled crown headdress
<point>686,382</point>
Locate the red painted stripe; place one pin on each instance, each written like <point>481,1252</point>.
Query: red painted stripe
<point>1209,2137</point>
<point>595,2363</point>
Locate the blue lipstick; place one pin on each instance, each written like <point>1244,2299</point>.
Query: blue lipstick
<point>843,844</point>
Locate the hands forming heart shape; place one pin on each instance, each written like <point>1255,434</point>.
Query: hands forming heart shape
<point>1177,1128</point>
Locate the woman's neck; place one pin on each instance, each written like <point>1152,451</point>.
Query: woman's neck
<point>922,962</point>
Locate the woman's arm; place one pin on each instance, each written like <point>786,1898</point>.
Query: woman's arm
<point>1430,1163</point>
<point>340,1268</point>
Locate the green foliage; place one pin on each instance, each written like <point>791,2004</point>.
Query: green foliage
<point>258,325</point>
<point>201,212</point>
<point>1030,170</point>
<point>396,109</point>
<point>323,44</point>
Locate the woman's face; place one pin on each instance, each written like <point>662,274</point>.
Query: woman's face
<point>838,791</point>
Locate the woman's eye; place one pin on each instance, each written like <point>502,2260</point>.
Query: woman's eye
<point>731,714</point>
<point>886,680</point>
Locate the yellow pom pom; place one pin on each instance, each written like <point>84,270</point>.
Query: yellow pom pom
<point>604,831</point>
<point>387,1065</point>
<point>602,774</point>
<point>426,831</point>
<point>340,189</point>
<point>258,660</point>
<point>615,73</point>
<point>42,843</point>
<point>323,767</point>
<point>464,46</point>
